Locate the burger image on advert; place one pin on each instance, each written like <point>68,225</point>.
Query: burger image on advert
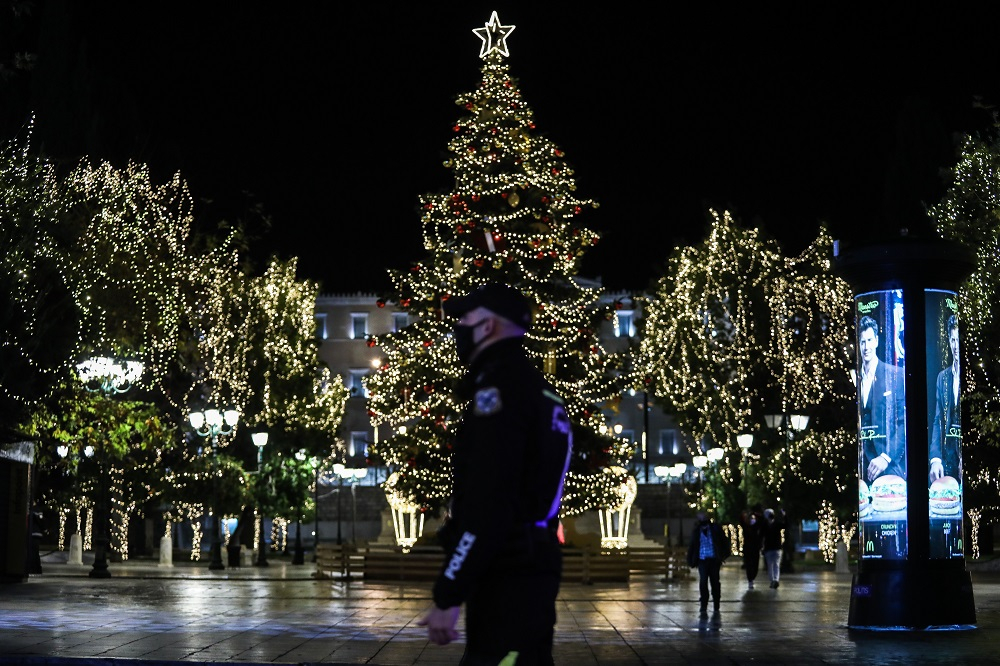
<point>945,497</point>
<point>888,493</point>
<point>864,499</point>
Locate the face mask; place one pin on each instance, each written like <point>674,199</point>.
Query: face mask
<point>465,342</point>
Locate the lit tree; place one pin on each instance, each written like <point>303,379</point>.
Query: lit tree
<point>812,339</point>
<point>41,305</point>
<point>733,331</point>
<point>510,217</point>
<point>968,213</point>
<point>299,401</point>
<point>705,332</point>
<point>125,437</point>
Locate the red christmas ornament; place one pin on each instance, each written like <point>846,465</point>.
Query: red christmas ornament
<point>618,304</point>
<point>545,200</point>
<point>428,343</point>
<point>475,197</point>
<point>428,388</point>
<point>380,302</point>
<point>576,210</point>
<point>468,106</point>
<point>405,302</point>
<point>503,195</point>
<point>540,255</point>
<point>558,152</point>
<point>531,125</point>
<point>555,172</point>
<point>456,128</point>
<point>479,263</point>
<point>371,413</point>
<point>371,341</point>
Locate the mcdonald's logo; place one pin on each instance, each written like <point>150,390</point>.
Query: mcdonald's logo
<point>870,546</point>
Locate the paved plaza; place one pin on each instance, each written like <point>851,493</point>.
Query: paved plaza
<point>146,614</point>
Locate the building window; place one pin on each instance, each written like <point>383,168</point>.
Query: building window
<point>321,325</point>
<point>357,447</point>
<point>668,443</point>
<point>355,383</point>
<point>400,320</point>
<point>624,324</point>
<point>359,325</point>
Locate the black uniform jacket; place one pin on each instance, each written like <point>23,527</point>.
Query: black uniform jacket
<point>511,454</point>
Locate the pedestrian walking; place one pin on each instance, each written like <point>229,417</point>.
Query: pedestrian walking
<point>774,526</point>
<point>708,549</point>
<point>753,541</point>
<point>503,555</point>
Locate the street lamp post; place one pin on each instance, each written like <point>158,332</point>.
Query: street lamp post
<point>211,423</point>
<point>353,473</point>
<point>700,462</point>
<point>745,441</point>
<point>260,441</point>
<point>110,376</point>
<point>315,464</point>
<point>299,557</point>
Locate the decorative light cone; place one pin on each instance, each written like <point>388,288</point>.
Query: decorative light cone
<point>407,519</point>
<point>614,519</point>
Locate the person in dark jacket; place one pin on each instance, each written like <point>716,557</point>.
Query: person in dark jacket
<point>774,526</point>
<point>753,536</point>
<point>503,557</point>
<point>708,549</point>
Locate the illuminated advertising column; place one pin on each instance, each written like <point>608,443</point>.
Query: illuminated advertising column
<point>911,568</point>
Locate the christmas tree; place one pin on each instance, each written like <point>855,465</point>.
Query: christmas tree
<point>511,217</point>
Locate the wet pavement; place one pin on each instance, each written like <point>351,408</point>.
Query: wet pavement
<point>146,614</point>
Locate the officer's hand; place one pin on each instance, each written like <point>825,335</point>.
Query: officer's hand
<point>440,624</point>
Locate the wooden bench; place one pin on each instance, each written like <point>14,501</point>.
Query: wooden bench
<point>586,565</point>
<point>338,560</point>
<point>382,562</point>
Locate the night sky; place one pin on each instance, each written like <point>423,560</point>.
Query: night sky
<point>334,120</point>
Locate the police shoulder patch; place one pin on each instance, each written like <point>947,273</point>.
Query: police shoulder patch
<point>487,401</point>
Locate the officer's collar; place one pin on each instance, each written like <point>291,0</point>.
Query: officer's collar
<point>499,349</point>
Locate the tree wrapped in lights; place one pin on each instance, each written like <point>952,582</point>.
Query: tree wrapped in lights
<point>735,330</point>
<point>811,309</point>
<point>968,213</point>
<point>42,306</point>
<point>127,437</point>
<point>706,329</point>
<point>510,217</point>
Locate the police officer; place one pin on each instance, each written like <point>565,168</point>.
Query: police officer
<point>512,450</point>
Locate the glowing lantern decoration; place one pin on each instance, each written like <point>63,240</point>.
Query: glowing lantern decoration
<point>407,518</point>
<point>614,519</point>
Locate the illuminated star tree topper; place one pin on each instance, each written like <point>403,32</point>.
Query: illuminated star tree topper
<point>494,37</point>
